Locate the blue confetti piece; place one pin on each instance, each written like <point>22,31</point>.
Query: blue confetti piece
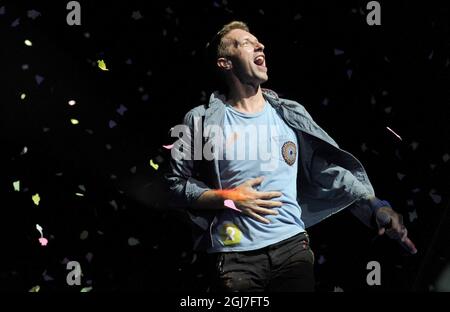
<point>2,10</point>
<point>39,79</point>
<point>15,23</point>
<point>121,110</point>
<point>112,124</point>
<point>33,14</point>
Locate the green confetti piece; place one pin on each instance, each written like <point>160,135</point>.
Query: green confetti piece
<point>35,289</point>
<point>86,289</point>
<point>102,65</point>
<point>155,166</point>
<point>16,186</point>
<point>36,199</point>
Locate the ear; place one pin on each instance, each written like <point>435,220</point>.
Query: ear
<point>224,63</point>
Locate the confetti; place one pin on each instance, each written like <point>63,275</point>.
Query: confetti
<point>2,10</point>
<point>133,170</point>
<point>39,228</point>
<point>39,79</point>
<point>43,241</point>
<point>230,204</point>
<point>72,102</point>
<point>412,216</point>
<point>388,109</point>
<point>35,289</point>
<point>102,65</point>
<point>321,259</point>
<point>33,14</point>
<point>28,43</point>
<point>133,241</point>
<point>297,17</point>
<point>36,199</point>
<point>25,66</point>
<point>168,146</point>
<point>121,110</point>
<point>24,150</point>
<point>86,289</point>
<point>394,133</point>
<point>435,197</point>
<point>338,52</point>
<point>15,23</point>
<point>74,121</point>
<point>112,124</point>
<point>136,15</point>
<point>349,73</point>
<point>79,194</point>
<point>414,145</point>
<point>400,176</point>
<point>114,204</point>
<point>446,157</point>
<point>89,256</point>
<point>82,187</point>
<point>47,277</point>
<point>23,96</point>
<point>16,186</point>
<point>84,235</point>
<point>338,289</point>
<point>154,166</point>
<point>364,147</point>
<point>325,102</point>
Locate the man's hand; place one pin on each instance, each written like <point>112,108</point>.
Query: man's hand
<point>391,223</point>
<point>254,203</point>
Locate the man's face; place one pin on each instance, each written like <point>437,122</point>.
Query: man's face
<point>247,57</point>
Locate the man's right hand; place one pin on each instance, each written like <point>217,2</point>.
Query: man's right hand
<point>251,202</point>
<point>254,203</point>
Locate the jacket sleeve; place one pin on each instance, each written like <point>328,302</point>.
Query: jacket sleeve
<point>184,188</point>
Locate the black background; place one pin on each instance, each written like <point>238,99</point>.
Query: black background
<point>399,79</point>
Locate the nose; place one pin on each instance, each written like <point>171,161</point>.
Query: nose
<point>259,47</point>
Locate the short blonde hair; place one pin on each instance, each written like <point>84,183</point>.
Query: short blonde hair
<point>218,47</point>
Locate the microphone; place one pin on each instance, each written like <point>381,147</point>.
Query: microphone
<point>384,220</point>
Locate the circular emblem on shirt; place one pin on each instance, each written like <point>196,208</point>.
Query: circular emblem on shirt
<point>289,151</point>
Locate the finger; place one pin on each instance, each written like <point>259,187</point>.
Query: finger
<point>408,244</point>
<point>263,211</point>
<point>257,217</point>
<point>255,181</point>
<point>268,195</point>
<point>268,203</point>
<point>381,231</point>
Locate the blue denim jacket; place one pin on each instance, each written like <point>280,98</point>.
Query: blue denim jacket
<point>330,179</point>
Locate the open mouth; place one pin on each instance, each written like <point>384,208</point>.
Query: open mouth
<point>260,60</point>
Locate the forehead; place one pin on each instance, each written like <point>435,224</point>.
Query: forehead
<point>239,34</point>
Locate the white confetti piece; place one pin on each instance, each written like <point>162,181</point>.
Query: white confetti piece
<point>388,109</point>
<point>82,187</point>
<point>39,79</point>
<point>74,121</point>
<point>136,15</point>
<point>325,102</point>
<point>446,157</point>
<point>28,43</point>
<point>112,124</point>
<point>349,73</point>
<point>414,145</point>
<point>89,257</point>
<point>15,23</point>
<point>400,176</point>
<point>79,194</point>
<point>87,35</point>
<point>39,228</point>
<point>25,67</point>
<point>72,102</point>
<point>114,204</point>
<point>2,10</point>
<point>373,101</point>
<point>133,169</point>
<point>321,259</point>
<point>338,52</point>
<point>394,133</point>
<point>410,202</point>
<point>86,289</point>
<point>435,197</point>
<point>133,241</point>
<point>121,110</point>
<point>297,17</point>
<point>432,166</point>
<point>364,147</point>
<point>33,14</point>
<point>412,216</point>
<point>23,96</point>
<point>84,235</point>
<point>16,186</point>
<point>338,289</point>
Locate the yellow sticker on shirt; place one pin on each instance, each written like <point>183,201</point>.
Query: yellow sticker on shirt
<point>230,234</point>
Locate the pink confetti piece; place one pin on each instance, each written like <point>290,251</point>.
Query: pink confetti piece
<point>168,146</point>
<point>394,133</point>
<point>43,241</point>
<point>230,204</point>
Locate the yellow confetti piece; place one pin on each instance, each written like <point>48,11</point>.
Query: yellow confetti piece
<point>155,166</point>
<point>28,43</point>
<point>36,199</point>
<point>86,289</point>
<point>23,96</point>
<point>102,65</point>
<point>16,186</point>
<point>74,121</point>
<point>35,289</point>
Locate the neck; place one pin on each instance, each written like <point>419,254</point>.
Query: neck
<point>246,98</point>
